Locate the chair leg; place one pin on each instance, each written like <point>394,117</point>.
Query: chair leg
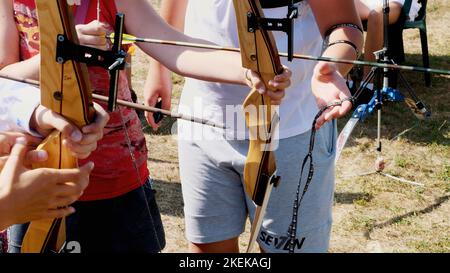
<point>425,56</point>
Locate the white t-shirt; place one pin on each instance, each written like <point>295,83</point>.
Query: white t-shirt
<point>17,104</point>
<point>214,20</point>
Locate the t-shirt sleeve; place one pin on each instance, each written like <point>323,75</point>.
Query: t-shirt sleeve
<point>17,104</point>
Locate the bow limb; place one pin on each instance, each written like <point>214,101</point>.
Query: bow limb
<point>65,89</point>
<point>259,53</point>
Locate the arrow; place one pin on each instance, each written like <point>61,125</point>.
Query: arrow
<point>129,39</point>
<point>132,105</point>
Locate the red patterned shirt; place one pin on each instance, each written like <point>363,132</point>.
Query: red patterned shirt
<point>114,173</point>
<point>27,24</point>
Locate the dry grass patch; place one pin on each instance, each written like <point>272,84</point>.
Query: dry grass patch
<point>371,213</point>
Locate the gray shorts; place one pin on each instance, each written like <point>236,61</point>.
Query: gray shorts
<point>216,206</point>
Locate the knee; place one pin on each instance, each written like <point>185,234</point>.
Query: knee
<point>375,18</point>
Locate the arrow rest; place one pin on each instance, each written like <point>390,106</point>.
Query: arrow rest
<point>113,61</point>
<point>68,50</point>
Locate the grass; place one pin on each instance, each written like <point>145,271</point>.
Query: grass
<point>371,213</point>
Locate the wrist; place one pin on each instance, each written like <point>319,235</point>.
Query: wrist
<point>327,69</point>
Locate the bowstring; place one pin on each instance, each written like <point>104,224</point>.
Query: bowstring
<point>292,230</point>
<point>133,159</point>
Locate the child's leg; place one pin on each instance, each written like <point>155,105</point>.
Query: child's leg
<point>374,38</point>
<point>363,9</point>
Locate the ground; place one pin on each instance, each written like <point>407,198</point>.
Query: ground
<point>371,213</point>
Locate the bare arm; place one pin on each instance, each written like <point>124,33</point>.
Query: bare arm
<point>173,12</point>
<point>178,59</point>
<point>9,47</point>
<point>328,84</point>
<point>159,84</point>
<point>327,17</point>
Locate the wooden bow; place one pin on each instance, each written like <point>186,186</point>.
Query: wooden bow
<point>259,53</point>
<point>65,89</point>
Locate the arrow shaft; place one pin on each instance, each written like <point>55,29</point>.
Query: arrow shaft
<point>132,105</point>
<point>296,56</point>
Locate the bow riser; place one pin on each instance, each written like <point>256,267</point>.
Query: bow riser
<point>76,105</point>
<point>259,53</point>
<point>65,89</point>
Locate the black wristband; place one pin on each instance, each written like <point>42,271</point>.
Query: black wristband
<point>345,42</point>
<point>351,25</point>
